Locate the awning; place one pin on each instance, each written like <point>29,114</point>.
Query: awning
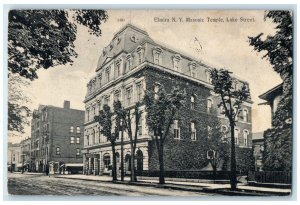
<point>20,165</point>
<point>74,165</point>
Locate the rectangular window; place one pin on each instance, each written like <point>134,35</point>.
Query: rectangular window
<point>100,81</point>
<point>209,132</point>
<point>77,140</point>
<point>107,73</point>
<point>193,74</point>
<point>156,58</point>
<point>88,114</point>
<point>117,70</point>
<point>106,100</point>
<point>156,89</point>
<point>72,140</point>
<point>193,132</point>
<point>245,115</point>
<point>71,129</point>
<point>128,96</point>
<point>57,151</point>
<point>77,152</point>
<point>140,56</point>
<point>139,91</point>
<point>236,136</point>
<point>140,126</point>
<point>117,96</point>
<point>192,102</point>
<point>176,62</point>
<point>209,105</point>
<point>176,130</point>
<point>246,133</point>
<point>78,130</point>
<point>128,64</point>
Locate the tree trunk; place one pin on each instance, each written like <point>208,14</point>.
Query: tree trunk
<point>233,181</point>
<point>161,163</point>
<point>122,156</point>
<point>214,171</point>
<point>132,175</point>
<point>114,165</point>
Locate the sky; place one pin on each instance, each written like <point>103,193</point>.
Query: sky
<point>224,45</point>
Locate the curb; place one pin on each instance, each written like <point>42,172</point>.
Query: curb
<point>194,188</point>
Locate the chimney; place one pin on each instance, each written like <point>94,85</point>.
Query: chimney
<point>67,104</point>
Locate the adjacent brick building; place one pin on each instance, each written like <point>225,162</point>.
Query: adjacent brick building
<point>133,63</point>
<point>57,138</point>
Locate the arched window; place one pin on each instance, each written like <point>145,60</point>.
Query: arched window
<point>193,131</point>
<point>140,54</point>
<point>139,161</point>
<point>157,55</point>
<point>208,77</point>
<point>193,102</point>
<point>224,130</point>
<point>246,134</point>
<point>245,115</point>
<point>209,105</point>
<point>78,129</point>
<point>192,67</point>
<point>71,129</point>
<point>106,161</point>
<point>236,135</point>
<point>176,62</point>
<point>128,63</point>
<point>128,162</point>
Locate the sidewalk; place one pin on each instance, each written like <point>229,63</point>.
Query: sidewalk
<point>189,185</point>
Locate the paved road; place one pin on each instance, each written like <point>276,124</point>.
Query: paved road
<point>21,184</point>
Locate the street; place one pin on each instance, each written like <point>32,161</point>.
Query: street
<point>36,184</point>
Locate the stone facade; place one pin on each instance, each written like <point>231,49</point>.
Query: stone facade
<point>26,153</point>
<point>133,63</point>
<point>14,157</point>
<point>56,137</point>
